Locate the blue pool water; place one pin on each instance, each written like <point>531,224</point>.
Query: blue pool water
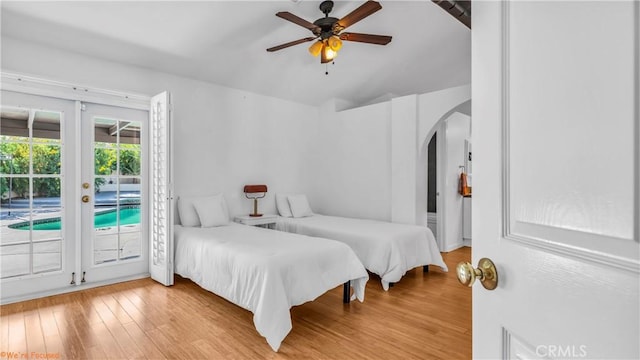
<point>128,216</point>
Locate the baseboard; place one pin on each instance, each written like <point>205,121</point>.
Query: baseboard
<point>41,294</point>
<point>466,242</point>
<point>454,247</point>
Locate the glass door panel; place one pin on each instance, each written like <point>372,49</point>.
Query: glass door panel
<point>36,250</point>
<point>114,139</point>
<point>31,189</point>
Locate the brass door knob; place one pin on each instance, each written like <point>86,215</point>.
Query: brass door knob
<point>85,199</point>
<point>486,273</point>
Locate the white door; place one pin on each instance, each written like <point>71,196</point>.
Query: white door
<point>37,242</point>
<point>114,193</point>
<point>556,178</point>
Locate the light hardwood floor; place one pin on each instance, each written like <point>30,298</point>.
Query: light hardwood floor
<point>424,316</point>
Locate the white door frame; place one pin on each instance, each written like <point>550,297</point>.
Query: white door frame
<point>441,144</point>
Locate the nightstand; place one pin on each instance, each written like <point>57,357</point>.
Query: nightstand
<point>266,221</point>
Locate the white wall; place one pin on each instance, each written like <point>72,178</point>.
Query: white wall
<point>224,138</point>
<point>403,156</point>
<point>371,160</point>
<point>457,128</point>
<point>353,162</point>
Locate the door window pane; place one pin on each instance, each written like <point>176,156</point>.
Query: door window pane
<point>14,155</point>
<point>129,218</point>
<point>46,127</point>
<point>47,255</point>
<point>46,159</point>
<point>15,260</point>
<point>118,169</point>
<point>130,160</point>
<point>105,248</point>
<point>30,188</point>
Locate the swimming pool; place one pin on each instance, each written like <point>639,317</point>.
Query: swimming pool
<point>129,215</point>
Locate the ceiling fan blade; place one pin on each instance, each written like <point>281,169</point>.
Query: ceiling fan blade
<point>366,38</point>
<point>358,14</point>
<point>298,21</point>
<point>291,43</point>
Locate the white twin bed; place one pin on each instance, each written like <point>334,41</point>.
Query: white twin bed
<point>264,271</point>
<point>387,249</point>
<point>267,272</point>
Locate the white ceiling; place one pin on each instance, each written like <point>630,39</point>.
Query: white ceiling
<point>224,42</point>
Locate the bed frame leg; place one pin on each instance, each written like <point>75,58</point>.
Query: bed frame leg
<point>425,269</point>
<point>346,292</point>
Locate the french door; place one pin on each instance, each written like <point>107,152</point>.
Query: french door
<point>37,243</point>
<point>73,190</point>
<point>113,192</point>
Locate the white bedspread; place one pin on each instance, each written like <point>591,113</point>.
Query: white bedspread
<point>387,249</point>
<point>265,271</point>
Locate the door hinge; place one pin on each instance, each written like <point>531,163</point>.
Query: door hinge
<point>83,274</point>
<point>73,278</point>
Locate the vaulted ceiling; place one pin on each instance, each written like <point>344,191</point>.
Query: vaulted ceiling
<point>225,42</point>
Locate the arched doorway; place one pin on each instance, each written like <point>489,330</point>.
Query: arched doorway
<point>437,220</point>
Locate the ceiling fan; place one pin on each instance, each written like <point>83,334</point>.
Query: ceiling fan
<point>328,30</point>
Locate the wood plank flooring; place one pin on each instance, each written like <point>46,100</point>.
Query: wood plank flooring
<point>424,316</point>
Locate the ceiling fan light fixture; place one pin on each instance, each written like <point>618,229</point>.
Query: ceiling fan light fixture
<point>316,48</point>
<point>329,53</point>
<point>327,31</point>
<point>334,43</point>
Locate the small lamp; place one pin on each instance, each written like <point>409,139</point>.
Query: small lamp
<point>255,192</point>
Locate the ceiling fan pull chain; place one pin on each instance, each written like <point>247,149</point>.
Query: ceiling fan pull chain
<point>326,72</point>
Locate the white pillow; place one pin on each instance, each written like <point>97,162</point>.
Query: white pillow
<point>282,204</point>
<point>188,214</point>
<point>212,211</point>
<point>299,206</point>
